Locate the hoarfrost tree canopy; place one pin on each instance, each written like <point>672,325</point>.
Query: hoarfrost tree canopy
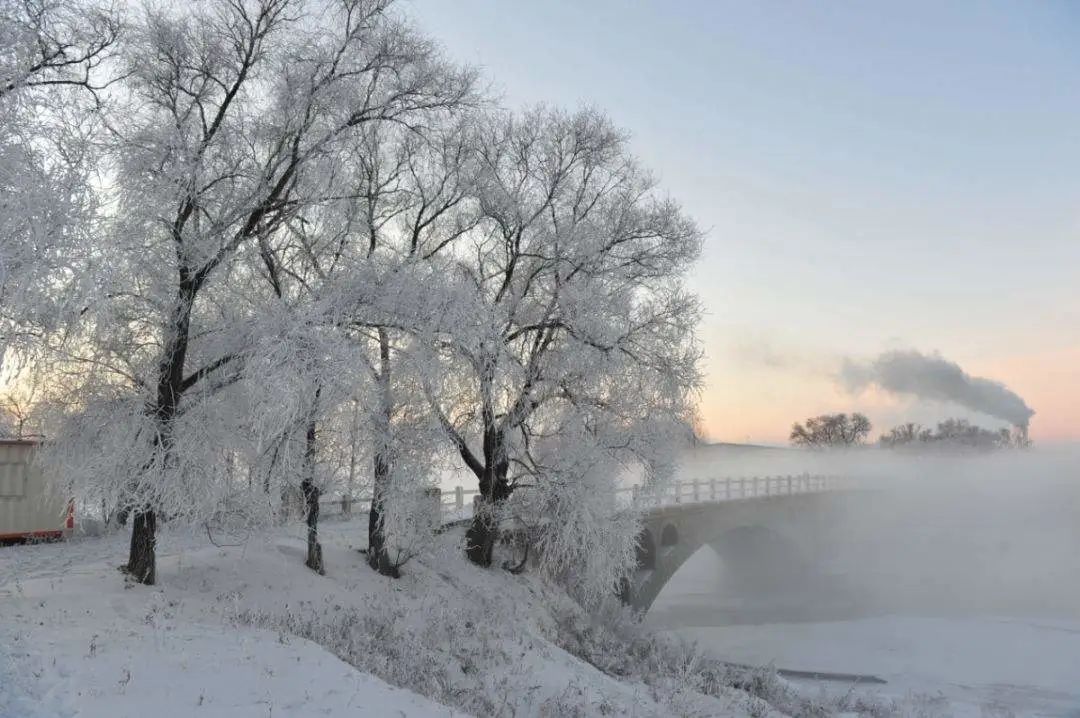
<point>53,43</point>
<point>54,60</point>
<point>361,261</point>
<point>317,246</point>
<point>234,117</point>
<point>416,204</point>
<point>573,347</point>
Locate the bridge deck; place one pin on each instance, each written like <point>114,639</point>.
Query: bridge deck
<point>457,505</point>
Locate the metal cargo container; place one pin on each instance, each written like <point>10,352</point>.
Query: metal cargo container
<point>28,509</point>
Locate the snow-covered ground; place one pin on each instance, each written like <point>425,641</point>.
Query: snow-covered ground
<point>962,665</point>
<point>225,633</point>
<point>75,640</point>
<point>219,636</point>
<point>980,666</point>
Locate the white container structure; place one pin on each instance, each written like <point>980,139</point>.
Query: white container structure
<point>28,509</point>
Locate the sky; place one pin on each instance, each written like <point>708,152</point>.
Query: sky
<point>871,177</point>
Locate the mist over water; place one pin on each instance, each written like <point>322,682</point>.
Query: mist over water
<point>953,578</point>
<point>926,535</point>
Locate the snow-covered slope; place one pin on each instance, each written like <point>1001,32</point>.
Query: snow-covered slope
<point>75,640</point>
<point>224,634</point>
<point>186,669</point>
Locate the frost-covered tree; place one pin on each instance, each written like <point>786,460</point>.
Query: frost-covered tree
<point>416,205</point>
<point>905,435</point>
<point>359,260</point>
<point>830,431</point>
<point>54,43</point>
<point>306,255</point>
<point>573,337</point>
<point>53,58</point>
<point>953,434</point>
<point>18,409</point>
<point>235,117</point>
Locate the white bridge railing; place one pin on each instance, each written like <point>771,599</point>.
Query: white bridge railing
<point>452,504</point>
<point>713,490</point>
<point>457,504</point>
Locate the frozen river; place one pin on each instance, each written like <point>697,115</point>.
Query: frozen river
<point>946,662</point>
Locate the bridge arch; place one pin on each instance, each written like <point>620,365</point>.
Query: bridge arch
<point>767,542</point>
<point>761,558</point>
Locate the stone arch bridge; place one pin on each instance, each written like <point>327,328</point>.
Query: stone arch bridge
<point>763,528</point>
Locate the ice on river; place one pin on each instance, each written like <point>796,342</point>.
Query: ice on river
<point>955,665</point>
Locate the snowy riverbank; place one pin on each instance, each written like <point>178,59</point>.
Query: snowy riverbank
<point>220,636</point>
<point>976,666</point>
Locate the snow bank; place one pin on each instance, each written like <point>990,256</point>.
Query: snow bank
<point>226,632</point>
<point>247,630</point>
<point>76,641</point>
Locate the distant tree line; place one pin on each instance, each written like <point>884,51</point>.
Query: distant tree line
<point>831,431</point>
<point>953,432</point>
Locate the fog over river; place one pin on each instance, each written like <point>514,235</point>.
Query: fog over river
<point>954,578</point>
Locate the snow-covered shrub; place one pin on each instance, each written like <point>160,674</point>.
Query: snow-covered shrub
<point>575,498</point>
<point>440,656</point>
<point>581,535</point>
<point>412,515</point>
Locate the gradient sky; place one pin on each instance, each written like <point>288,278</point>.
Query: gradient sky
<point>872,176</point>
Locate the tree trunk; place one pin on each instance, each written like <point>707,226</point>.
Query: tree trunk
<point>314,548</point>
<point>311,501</point>
<point>480,538</point>
<point>142,560</point>
<point>378,555</point>
<point>482,534</point>
<point>142,556</point>
<point>494,491</point>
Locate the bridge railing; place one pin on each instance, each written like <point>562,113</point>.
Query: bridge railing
<point>457,504</point>
<point>712,490</point>
<point>453,505</point>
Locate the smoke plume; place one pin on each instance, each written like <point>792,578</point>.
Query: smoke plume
<point>936,378</point>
